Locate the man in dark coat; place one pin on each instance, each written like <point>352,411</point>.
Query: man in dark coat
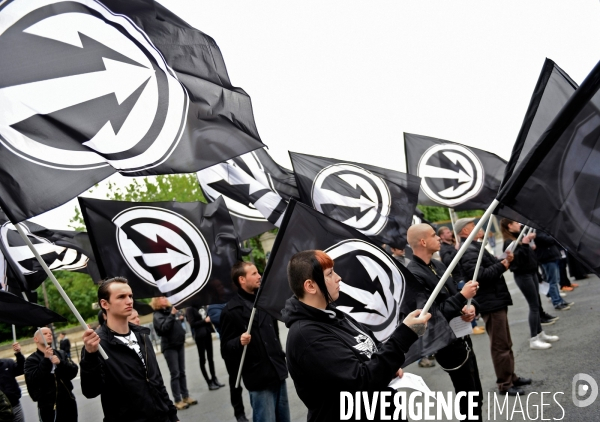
<point>64,344</point>
<point>328,351</point>
<point>129,381</point>
<point>9,370</point>
<point>48,374</point>
<point>494,299</point>
<point>264,371</point>
<point>458,358</point>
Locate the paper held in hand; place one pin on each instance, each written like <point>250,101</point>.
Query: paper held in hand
<point>460,328</point>
<point>411,381</point>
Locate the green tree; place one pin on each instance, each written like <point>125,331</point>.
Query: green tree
<point>435,214</point>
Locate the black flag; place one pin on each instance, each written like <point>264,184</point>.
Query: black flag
<point>453,175</point>
<point>255,189</point>
<point>60,249</point>
<point>90,88</point>
<point>374,290</point>
<point>557,185</point>
<point>18,311</point>
<point>380,203</point>
<point>182,250</point>
<point>552,91</point>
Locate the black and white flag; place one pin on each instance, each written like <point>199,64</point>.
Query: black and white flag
<point>181,250</point>
<point>453,175</point>
<point>89,88</point>
<point>374,290</point>
<point>378,202</point>
<point>61,250</point>
<point>557,184</point>
<point>552,91</point>
<point>255,189</point>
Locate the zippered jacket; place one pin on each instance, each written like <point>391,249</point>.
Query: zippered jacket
<point>130,391</point>
<point>45,387</point>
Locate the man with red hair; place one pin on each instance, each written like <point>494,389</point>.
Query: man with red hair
<point>329,352</point>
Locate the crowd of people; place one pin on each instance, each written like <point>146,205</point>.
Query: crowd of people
<point>327,350</point>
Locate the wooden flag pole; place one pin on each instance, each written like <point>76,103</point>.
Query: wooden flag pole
<point>459,255</point>
<point>239,375</point>
<point>480,257</point>
<point>57,285</point>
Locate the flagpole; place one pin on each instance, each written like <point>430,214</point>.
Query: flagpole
<point>525,229</point>
<point>458,256</point>
<point>480,257</point>
<point>453,220</point>
<point>239,375</point>
<point>57,285</point>
<point>14,334</point>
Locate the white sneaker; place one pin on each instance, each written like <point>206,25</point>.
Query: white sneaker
<point>545,337</point>
<point>536,344</point>
<point>562,294</point>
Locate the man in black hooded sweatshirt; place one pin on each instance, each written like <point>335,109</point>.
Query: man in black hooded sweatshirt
<point>329,352</point>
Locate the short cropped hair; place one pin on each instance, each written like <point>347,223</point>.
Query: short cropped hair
<point>239,270</point>
<point>441,229</point>
<point>309,265</point>
<point>104,289</point>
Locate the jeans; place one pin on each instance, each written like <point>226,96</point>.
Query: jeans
<point>270,404</point>
<point>529,286</point>
<point>552,272</point>
<point>176,362</point>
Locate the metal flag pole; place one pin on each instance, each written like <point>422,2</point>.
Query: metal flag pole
<point>239,375</point>
<point>480,257</point>
<point>14,333</point>
<point>514,246</point>
<point>453,221</point>
<point>459,255</point>
<point>57,285</point>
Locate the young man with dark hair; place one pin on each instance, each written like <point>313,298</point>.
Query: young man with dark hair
<point>129,382</point>
<point>328,351</point>
<point>48,374</point>
<point>264,371</point>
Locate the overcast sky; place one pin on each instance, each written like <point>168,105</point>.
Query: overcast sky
<point>345,79</point>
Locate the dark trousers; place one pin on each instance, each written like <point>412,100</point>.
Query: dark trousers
<point>529,286</point>
<point>466,378</point>
<point>66,411</point>
<point>235,393</point>
<point>496,325</point>
<point>175,358</point>
<point>564,278</point>
<point>205,351</point>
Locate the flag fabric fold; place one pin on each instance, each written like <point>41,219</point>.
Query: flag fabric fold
<point>18,311</point>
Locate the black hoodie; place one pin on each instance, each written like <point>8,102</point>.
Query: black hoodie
<point>329,352</point>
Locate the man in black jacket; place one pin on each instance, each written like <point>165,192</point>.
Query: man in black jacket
<point>458,358</point>
<point>64,344</point>
<point>548,256</point>
<point>264,371</point>
<point>328,351</point>
<point>129,382</point>
<point>9,370</point>
<point>48,374</point>
<point>494,299</point>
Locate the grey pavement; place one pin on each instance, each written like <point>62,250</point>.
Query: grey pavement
<point>578,351</point>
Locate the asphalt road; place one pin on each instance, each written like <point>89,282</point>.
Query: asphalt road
<point>578,351</point>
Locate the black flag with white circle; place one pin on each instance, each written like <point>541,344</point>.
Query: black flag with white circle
<point>374,290</point>
<point>453,175</point>
<point>181,250</point>
<point>89,88</point>
<point>378,202</point>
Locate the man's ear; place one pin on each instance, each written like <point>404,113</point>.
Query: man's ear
<point>310,287</point>
<point>102,303</point>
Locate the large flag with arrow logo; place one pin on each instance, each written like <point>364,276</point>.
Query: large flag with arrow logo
<point>453,175</point>
<point>255,189</point>
<point>88,88</point>
<point>557,184</point>
<point>374,290</point>
<point>181,250</point>
<point>60,249</point>
<point>552,91</point>
<point>380,203</point>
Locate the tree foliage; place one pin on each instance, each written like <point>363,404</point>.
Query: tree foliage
<point>437,214</point>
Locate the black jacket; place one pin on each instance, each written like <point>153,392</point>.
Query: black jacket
<point>65,346</point>
<point>264,364</point>
<point>169,328</point>
<point>44,386</point>
<point>524,261</point>
<point>9,370</point>
<point>447,254</point>
<point>493,294</point>
<point>546,248</point>
<point>329,352</point>
<point>130,391</point>
<point>199,326</point>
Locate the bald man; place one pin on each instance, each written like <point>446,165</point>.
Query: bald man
<point>458,358</point>
<point>48,374</point>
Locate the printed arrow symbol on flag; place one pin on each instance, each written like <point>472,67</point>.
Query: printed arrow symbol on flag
<point>362,202</point>
<point>464,175</point>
